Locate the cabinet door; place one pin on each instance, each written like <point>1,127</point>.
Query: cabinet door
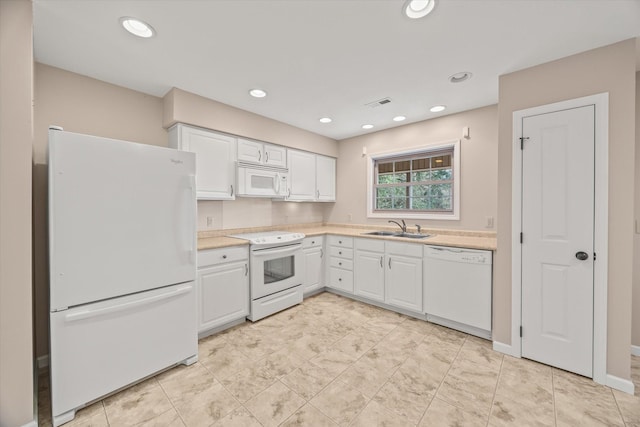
<point>326,178</point>
<point>275,156</point>
<point>215,162</point>
<point>223,294</point>
<point>403,280</point>
<point>302,175</point>
<point>250,151</point>
<point>313,269</point>
<point>369,275</point>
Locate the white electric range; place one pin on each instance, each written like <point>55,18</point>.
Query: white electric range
<point>277,271</point>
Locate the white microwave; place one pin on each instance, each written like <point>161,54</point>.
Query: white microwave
<point>256,182</point>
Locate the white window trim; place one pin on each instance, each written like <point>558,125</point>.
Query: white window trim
<point>454,216</point>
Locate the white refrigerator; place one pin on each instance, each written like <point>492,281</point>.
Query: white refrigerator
<point>122,250</point>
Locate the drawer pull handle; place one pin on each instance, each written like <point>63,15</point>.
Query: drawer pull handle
<point>339,263</point>
<point>340,253</point>
<point>340,279</point>
<point>224,257</point>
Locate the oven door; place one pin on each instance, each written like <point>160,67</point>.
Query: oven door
<point>275,269</point>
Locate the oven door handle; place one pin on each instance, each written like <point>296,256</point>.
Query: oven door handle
<point>264,253</point>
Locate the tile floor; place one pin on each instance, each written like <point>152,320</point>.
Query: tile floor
<point>333,361</point>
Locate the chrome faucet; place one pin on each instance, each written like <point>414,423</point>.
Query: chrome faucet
<point>419,228</point>
<point>402,226</point>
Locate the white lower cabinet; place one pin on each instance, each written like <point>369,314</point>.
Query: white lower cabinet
<point>313,250</point>
<point>222,286</point>
<point>403,277</point>
<point>389,272</point>
<point>340,263</point>
<point>369,269</point>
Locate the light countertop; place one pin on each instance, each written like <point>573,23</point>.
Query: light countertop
<point>440,237</point>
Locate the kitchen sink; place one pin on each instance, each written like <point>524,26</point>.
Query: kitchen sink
<point>412,235</point>
<point>382,233</point>
<point>398,234</point>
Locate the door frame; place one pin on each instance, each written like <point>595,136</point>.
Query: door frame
<point>601,221</point>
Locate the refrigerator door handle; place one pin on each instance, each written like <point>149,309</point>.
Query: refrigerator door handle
<point>89,313</point>
<point>192,225</point>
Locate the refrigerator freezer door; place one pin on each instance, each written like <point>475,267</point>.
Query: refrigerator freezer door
<point>102,347</point>
<point>121,217</point>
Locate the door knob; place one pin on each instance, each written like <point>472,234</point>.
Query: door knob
<point>582,256</point>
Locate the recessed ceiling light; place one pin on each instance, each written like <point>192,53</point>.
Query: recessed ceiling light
<point>437,108</point>
<point>257,93</point>
<point>460,77</point>
<point>399,118</point>
<point>137,27</point>
<point>367,126</point>
<point>325,120</point>
<point>418,8</point>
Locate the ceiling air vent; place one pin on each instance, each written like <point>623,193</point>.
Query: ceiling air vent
<point>378,103</point>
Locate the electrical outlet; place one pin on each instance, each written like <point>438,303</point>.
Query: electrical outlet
<point>488,222</point>
<point>209,222</point>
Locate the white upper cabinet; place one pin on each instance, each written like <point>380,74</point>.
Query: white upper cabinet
<point>325,178</point>
<point>312,177</point>
<point>260,153</point>
<point>215,160</point>
<point>302,175</point>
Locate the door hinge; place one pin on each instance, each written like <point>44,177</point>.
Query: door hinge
<point>522,139</point>
<point>520,331</point>
<point>521,238</point>
<point>594,256</point>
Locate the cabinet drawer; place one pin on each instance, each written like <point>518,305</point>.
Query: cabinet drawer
<point>405,249</point>
<point>347,264</point>
<point>312,242</point>
<point>372,245</point>
<point>341,241</point>
<point>341,279</point>
<point>341,252</point>
<point>222,255</point>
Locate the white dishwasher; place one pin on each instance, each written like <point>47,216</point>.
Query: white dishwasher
<point>457,288</point>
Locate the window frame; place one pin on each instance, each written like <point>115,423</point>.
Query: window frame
<point>395,154</point>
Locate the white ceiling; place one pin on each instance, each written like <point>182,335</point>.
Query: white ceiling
<point>319,58</point>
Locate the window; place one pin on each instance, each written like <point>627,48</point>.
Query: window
<point>421,183</point>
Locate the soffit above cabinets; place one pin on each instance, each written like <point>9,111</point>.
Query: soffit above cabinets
<point>319,58</point>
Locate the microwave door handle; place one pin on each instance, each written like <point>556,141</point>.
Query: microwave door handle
<point>277,183</point>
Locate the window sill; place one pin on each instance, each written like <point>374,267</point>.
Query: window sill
<point>405,215</point>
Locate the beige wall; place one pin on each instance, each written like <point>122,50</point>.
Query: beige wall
<point>609,69</point>
<point>16,132</point>
<point>478,166</point>
<point>85,105</point>
<point>185,107</point>
<point>635,329</point>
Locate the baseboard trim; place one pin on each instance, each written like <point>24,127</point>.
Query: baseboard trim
<point>504,348</point>
<point>620,384</point>
<point>635,350</point>
<point>31,423</point>
<point>43,362</point>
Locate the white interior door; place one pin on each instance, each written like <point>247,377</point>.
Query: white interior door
<point>557,240</point>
